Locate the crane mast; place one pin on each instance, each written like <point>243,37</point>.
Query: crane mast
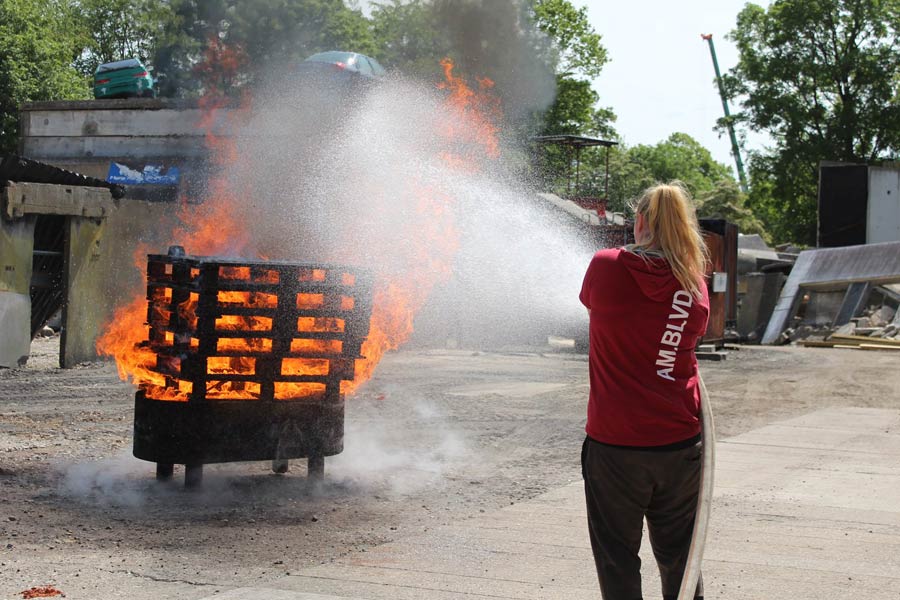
<point>735,150</point>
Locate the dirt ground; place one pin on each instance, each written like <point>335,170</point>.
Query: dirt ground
<point>435,437</point>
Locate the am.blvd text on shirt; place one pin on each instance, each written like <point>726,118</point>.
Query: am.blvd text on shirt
<point>671,337</point>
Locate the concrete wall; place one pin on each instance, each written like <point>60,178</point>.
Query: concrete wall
<point>16,247</point>
<point>82,276</point>
<point>108,259</point>
<point>105,268</point>
<point>883,221</point>
<point>116,129</point>
<point>757,296</point>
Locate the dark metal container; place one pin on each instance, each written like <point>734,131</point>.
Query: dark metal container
<point>249,357</point>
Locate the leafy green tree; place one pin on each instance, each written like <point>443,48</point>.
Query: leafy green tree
<point>681,157</point>
<point>573,112</point>
<point>534,50</point>
<point>627,179</point>
<point>726,201</point>
<point>578,48</point>
<point>820,76</point>
<point>118,29</point>
<point>578,54</point>
<point>684,158</point>
<point>408,37</point>
<point>37,49</point>
<point>271,33</point>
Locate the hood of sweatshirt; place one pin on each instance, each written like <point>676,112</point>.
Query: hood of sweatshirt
<point>651,272</point>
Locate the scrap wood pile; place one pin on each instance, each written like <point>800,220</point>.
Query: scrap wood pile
<point>878,329</point>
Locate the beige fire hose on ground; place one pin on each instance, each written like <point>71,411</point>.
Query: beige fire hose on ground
<point>704,500</point>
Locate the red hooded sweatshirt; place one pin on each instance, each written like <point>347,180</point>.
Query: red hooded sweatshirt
<point>643,331</point>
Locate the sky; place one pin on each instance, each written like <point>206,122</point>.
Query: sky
<point>660,77</point>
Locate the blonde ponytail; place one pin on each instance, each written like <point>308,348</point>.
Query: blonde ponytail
<point>672,229</point>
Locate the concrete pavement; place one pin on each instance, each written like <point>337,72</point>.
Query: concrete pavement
<point>804,509</point>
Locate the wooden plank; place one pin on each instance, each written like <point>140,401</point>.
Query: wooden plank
<point>879,347</point>
<point>829,344</point>
<point>865,339</point>
<point>49,199</point>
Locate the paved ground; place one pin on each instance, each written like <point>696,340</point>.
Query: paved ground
<point>804,509</point>
<point>448,455</point>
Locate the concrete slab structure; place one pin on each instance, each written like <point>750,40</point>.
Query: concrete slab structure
<point>86,137</point>
<point>84,211</point>
<point>804,509</point>
<point>757,295</point>
<point>16,246</point>
<point>829,267</point>
<point>96,130</point>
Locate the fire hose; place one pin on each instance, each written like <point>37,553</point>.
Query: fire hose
<point>704,499</point>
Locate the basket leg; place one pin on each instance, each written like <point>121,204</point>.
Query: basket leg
<point>164,471</point>
<point>315,468</point>
<point>193,475</point>
<point>280,465</point>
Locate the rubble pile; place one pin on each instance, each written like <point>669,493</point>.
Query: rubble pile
<point>878,328</point>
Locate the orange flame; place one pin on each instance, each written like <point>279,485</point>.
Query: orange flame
<point>474,118</point>
<point>470,127</point>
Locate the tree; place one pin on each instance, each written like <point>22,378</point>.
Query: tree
<point>572,113</point>
<point>408,37</point>
<point>727,201</point>
<point>681,157</point>
<point>118,29</point>
<point>577,52</point>
<point>578,55</point>
<point>578,48</point>
<point>820,77</point>
<point>37,48</point>
<point>271,33</point>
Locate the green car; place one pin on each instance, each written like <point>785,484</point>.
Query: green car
<point>123,79</point>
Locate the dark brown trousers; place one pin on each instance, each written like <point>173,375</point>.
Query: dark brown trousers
<point>623,486</point>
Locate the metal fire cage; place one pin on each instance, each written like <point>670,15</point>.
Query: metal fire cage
<point>249,360</point>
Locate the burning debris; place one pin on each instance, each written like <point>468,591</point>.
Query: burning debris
<point>245,360</point>
<point>414,207</point>
<point>377,193</point>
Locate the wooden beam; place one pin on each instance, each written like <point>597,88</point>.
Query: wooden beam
<point>879,347</point>
<point>862,339</point>
<point>20,199</point>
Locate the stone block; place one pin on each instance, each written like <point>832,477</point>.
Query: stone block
<point>15,329</point>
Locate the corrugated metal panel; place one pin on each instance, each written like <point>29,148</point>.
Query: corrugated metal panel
<point>16,168</point>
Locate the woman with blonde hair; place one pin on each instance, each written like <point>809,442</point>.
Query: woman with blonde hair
<point>648,308</point>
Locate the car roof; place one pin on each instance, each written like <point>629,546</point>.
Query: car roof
<point>334,56</point>
<point>128,63</point>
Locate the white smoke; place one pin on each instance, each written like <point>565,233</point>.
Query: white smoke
<point>381,455</point>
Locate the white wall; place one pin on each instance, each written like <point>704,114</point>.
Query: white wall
<point>883,222</point>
